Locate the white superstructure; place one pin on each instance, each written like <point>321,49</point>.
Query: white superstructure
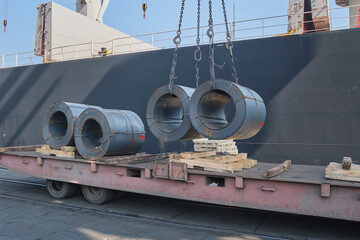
<point>60,30</point>
<point>94,9</point>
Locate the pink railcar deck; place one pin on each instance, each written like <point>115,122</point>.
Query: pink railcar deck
<point>302,189</point>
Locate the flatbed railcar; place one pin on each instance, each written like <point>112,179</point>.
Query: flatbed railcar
<point>302,189</point>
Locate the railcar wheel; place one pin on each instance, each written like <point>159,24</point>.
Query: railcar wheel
<point>97,195</point>
<point>61,190</point>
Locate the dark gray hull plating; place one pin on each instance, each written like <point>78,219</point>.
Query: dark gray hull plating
<point>310,84</point>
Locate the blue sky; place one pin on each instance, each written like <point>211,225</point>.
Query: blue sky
<point>126,16</point>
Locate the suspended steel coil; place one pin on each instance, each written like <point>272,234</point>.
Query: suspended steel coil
<point>228,111</point>
<point>167,114</point>
<point>59,123</point>
<point>100,132</point>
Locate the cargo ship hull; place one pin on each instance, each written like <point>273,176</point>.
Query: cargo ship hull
<point>310,84</point>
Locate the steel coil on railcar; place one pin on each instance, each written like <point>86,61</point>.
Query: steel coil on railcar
<point>101,132</point>
<point>228,111</point>
<point>59,123</point>
<point>167,114</point>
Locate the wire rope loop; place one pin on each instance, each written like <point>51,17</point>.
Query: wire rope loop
<point>198,55</point>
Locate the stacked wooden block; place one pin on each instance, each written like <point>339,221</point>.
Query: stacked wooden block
<point>223,146</point>
<point>67,151</point>
<point>210,161</point>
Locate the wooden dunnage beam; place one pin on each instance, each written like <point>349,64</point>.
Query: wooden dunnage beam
<point>278,169</point>
<point>19,148</point>
<point>187,155</point>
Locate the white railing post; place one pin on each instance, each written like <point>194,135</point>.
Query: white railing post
<point>16,60</point>
<point>44,58</point>
<point>113,47</point>
<point>233,26</point>
<point>62,53</point>
<point>263,28</point>
<point>202,35</point>
<point>92,49</point>
<point>76,52</point>
<point>130,50</point>
<point>3,61</point>
<point>30,58</point>
<point>152,40</point>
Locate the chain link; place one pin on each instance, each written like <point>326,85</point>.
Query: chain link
<point>177,41</point>
<point>198,53</point>
<point>210,33</point>
<point>229,44</point>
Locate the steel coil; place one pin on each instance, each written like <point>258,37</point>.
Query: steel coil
<point>167,114</point>
<point>228,111</point>
<point>59,123</point>
<point>100,132</point>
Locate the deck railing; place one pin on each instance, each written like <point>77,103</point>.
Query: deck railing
<point>240,30</point>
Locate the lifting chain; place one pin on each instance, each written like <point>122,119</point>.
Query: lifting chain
<point>229,44</point>
<point>210,33</point>
<point>177,41</point>
<point>198,53</point>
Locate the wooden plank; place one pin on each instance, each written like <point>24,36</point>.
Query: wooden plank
<point>187,155</point>
<point>253,162</point>
<point>133,159</point>
<point>278,169</point>
<point>205,140</point>
<point>230,158</point>
<point>68,149</point>
<point>19,148</point>
<point>246,163</point>
<point>216,145</point>
<point>237,166</point>
<point>174,156</point>
<point>207,164</point>
<point>230,151</point>
<point>200,140</point>
<point>335,171</point>
<point>228,148</point>
<point>215,170</point>
<point>57,153</point>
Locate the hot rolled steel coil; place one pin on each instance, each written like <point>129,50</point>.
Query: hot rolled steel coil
<point>167,114</point>
<point>100,132</point>
<point>228,111</point>
<point>59,123</point>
